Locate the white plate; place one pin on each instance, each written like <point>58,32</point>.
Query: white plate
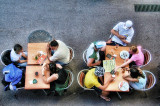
<point>124,54</point>
<point>123,86</point>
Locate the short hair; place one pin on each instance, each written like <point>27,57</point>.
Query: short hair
<point>134,49</point>
<point>17,48</point>
<point>54,43</point>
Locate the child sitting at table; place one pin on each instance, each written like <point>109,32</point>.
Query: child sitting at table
<point>137,57</point>
<point>57,72</point>
<point>137,79</point>
<point>18,56</point>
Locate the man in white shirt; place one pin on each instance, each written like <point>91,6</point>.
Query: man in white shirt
<point>58,52</point>
<point>17,55</point>
<point>122,34</point>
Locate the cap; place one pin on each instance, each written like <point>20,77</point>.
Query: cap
<point>128,24</point>
<point>99,71</point>
<point>100,44</point>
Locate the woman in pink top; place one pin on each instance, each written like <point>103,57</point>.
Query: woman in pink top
<point>137,57</point>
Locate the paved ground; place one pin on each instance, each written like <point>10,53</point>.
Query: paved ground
<point>77,23</point>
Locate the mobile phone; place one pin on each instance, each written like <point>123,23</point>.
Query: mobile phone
<point>109,56</point>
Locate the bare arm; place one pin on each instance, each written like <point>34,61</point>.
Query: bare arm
<point>90,62</point>
<point>23,55</point>
<point>117,34</point>
<point>131,79</point>
<point>103,87</point>
<point>50,79</point>
<point>123,65</point>
<point>123,40</point>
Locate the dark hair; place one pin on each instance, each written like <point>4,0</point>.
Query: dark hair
<point>52,67</point>
<point>17,48</point>
<point>135,73</point>
<point>54,43</point>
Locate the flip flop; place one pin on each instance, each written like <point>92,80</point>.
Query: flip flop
<point>105,98</point>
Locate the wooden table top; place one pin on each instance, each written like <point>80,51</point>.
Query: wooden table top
<point>30,75</point>
<point>114,85</point>
<point>33,49</point>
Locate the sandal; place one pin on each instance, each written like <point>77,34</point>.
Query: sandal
<point>105,98</point>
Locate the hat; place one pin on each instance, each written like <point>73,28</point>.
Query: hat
<point>128,24</point>
<point>99,71</point>
<point>100,44</point>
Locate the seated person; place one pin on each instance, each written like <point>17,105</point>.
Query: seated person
<point>96,53</point>
<point>137,57</point>
<point>137,79</point>
<point>91,81</point>
<point>57,72</point>
<point>58,52</point>
<point>122,34</point>
<point>17,55</point>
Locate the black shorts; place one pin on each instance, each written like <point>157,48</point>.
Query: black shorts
<point>114,43</point>
<point>98,91</point>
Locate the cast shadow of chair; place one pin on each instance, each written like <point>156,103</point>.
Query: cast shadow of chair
<point>39,36</point>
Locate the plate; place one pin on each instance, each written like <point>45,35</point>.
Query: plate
<point>124,54</point>
<point>123,86</point>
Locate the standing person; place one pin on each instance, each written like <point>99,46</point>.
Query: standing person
<point>91,81</point>
<point>58,52</point>
<point>17,55</point>
<point>96,53</point>
<point>122,34</point>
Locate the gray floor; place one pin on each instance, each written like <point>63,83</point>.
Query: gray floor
<point>77,23</point>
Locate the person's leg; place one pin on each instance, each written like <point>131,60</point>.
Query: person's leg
<point>104,95</point>
<point>22,64</point>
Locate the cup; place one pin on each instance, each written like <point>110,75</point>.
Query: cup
<point>36,73</point>
<point>34,81</point>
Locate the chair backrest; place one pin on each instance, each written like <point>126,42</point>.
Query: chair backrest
<point>151,80</point>
<point>71,54</point>
<point>147,57</point>
<point>80,79</point>
<point>71,78</point>
<point>84,56</point>
<point>5,57</point>
<point>39,36</point>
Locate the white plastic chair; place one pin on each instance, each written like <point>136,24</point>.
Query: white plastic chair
<point>80,79</point>
<point>147,57</point>
<point>71,54</point>
<point>84,56</point>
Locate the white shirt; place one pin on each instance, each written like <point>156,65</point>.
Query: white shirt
<point>127,33</point>
<point>14,56</point>
<point>62,54</point>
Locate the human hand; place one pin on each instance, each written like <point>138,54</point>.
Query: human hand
<point>59,66</point>
<point>122,37</point>
<point>98,62</point>
<point>111,79</point>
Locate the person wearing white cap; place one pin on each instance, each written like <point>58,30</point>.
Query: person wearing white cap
<point>96,53</point>
<point>122,34</point>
